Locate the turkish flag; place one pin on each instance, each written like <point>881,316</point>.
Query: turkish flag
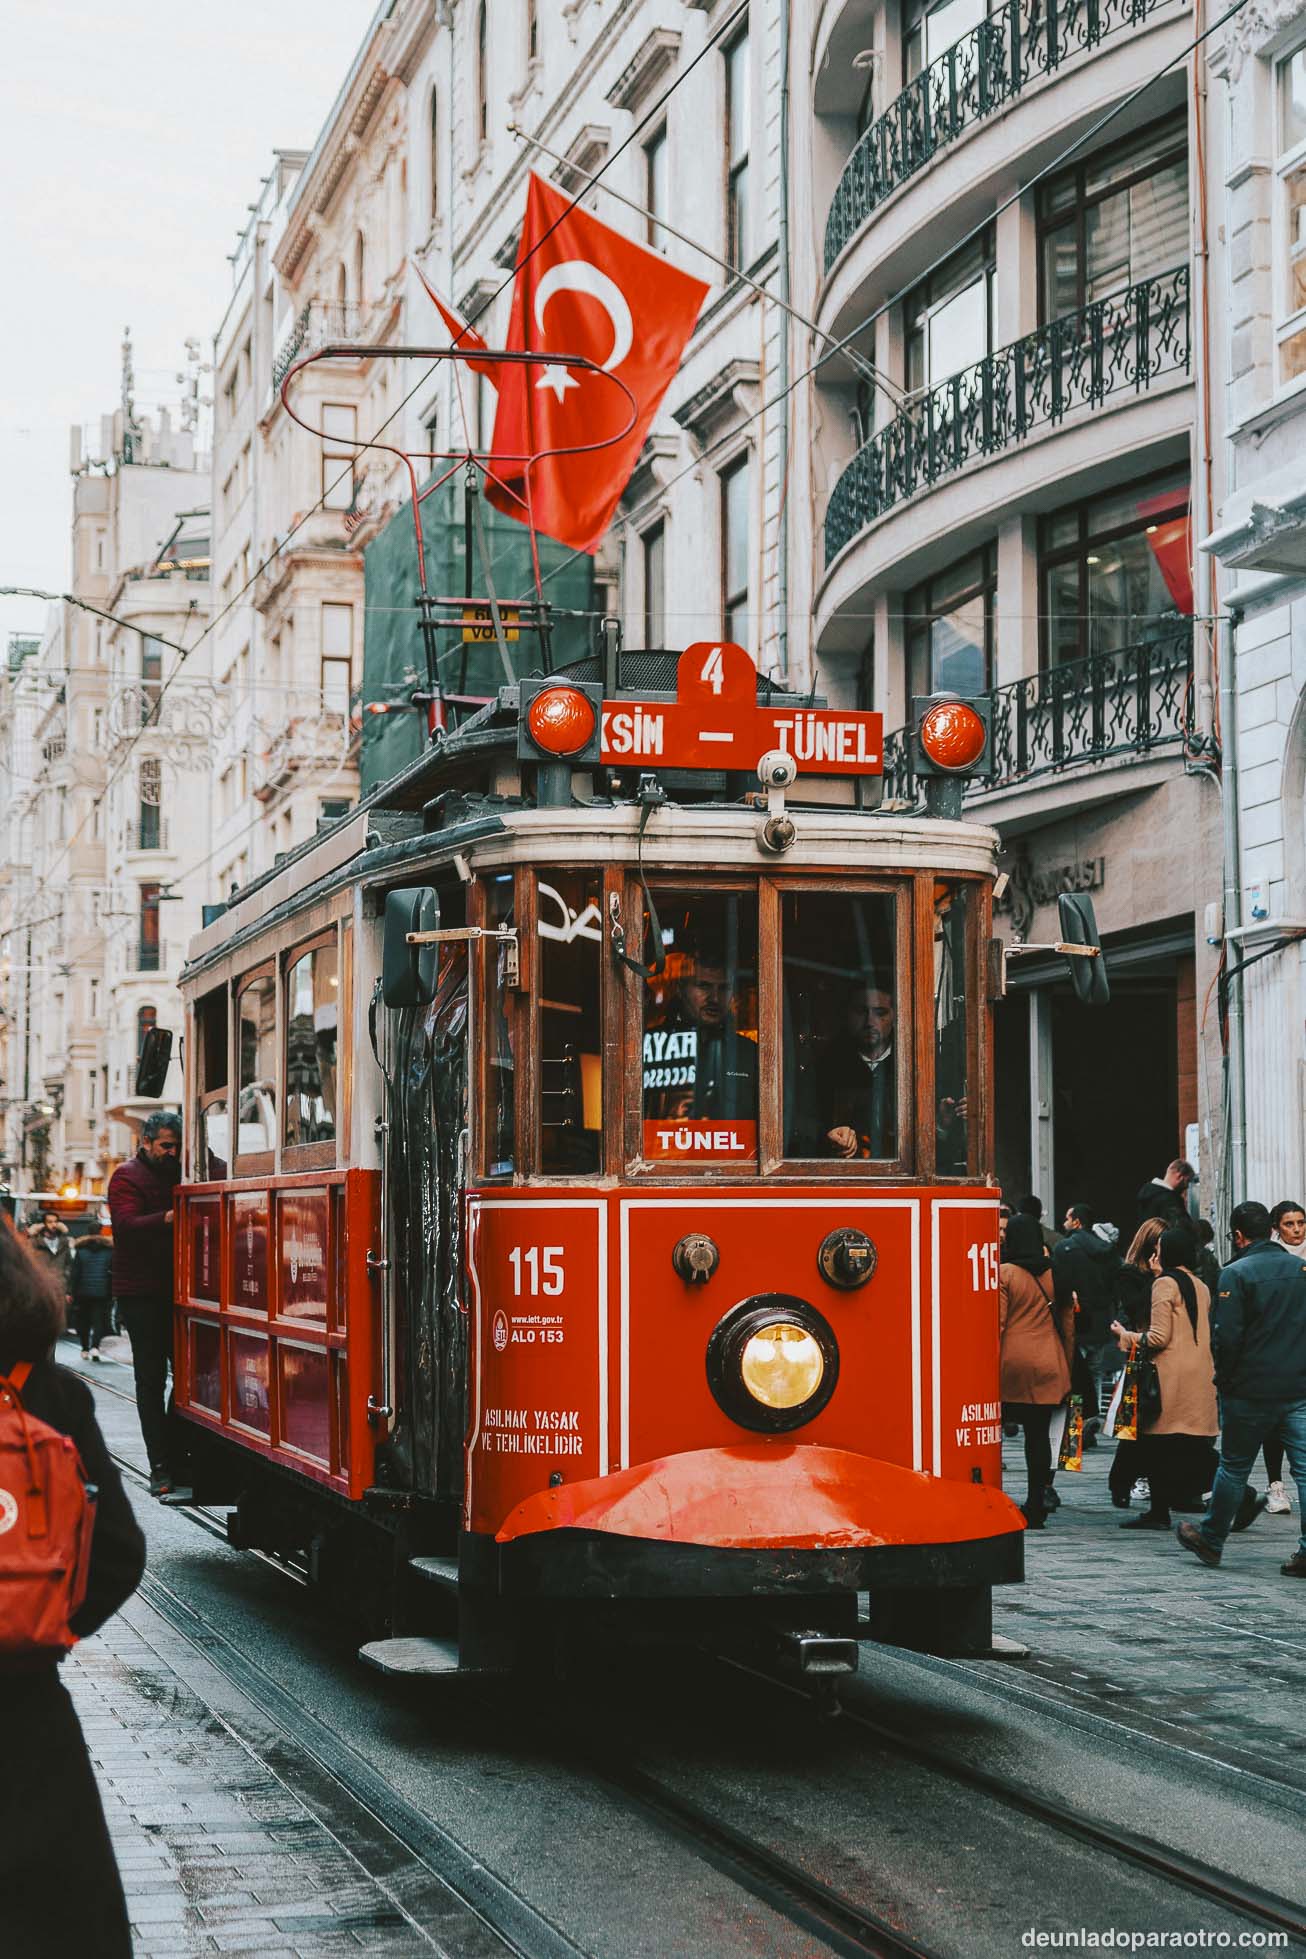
<point>461,334</point>
<point>586,290</point>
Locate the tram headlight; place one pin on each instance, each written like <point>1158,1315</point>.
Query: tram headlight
<point>782,1365</point>
<point>772,1362</point>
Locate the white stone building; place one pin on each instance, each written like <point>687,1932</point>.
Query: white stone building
<point>1258,541</point>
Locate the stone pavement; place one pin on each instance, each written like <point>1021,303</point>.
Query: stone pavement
<point>217,1853</point>
<point>1126,1622</point>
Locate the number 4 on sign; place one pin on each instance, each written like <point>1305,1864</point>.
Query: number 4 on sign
<point>714,671</point>
<point>983,1267</point>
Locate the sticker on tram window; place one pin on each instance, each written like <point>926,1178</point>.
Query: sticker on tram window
<point>702,1139</point>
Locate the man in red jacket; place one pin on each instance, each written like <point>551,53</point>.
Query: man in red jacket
<point>140,1204</point>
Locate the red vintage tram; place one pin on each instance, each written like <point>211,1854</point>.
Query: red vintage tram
<point>587,1205</point>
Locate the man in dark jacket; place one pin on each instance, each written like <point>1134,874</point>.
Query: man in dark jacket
<point>1085,1265</point>
<point>1167,1197</point>
<point>1258,1337</point>
<point>140,1204</point>
<point>92,1284</point>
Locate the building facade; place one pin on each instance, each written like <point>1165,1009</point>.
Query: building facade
<point>1010,453</point>
<point>1258,545</point>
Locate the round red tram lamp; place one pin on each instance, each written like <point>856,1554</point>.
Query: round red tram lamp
<point>561,720</point>
<point>952,735</point>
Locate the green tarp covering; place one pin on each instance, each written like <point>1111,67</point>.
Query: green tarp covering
<point>394,660</point>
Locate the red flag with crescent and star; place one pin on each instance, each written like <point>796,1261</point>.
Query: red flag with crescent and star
<point>590,291</point>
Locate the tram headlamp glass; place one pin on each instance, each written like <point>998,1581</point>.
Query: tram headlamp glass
<point>782,1365</point>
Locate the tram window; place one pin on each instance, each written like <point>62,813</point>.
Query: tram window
<point>570,928</point>
<point>841,1043</point>
<point>312,1032</point>
<point>256,1117</point>
<point>952,910</point>
<point>213,1142</point>
<point>501,1125</point>
<point>700,1031</point>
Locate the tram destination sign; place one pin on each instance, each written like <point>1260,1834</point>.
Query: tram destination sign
<point>716,722</point>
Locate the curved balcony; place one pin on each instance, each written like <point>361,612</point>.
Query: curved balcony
<point>1121,343</point>
<point>1021,42</point>
<point>1129,701</point>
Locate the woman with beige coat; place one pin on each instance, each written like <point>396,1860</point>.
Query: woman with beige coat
<point>1038,1338</point>
<point>1177,1445</point>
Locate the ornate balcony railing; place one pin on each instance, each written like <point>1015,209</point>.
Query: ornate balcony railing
<point>1021,40</point>
<point>1125,341</point>
<point>147,835</point>
<point>319,321</point>
<point>1129,701</point>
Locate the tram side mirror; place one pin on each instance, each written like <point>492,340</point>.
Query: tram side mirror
<point>152,1065</point>
<point>408,971</point>
<point>1079,928</point>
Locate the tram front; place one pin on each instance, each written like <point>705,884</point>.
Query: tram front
<point>732,1241</point>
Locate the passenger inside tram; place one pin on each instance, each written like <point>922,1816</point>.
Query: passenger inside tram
<point>700,1016</point>
<point>857,1077</point>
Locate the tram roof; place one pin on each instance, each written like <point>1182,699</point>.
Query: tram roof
<point>470,794</point>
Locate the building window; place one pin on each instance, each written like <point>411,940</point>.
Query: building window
<point>151,679</point>
<point>656,201</point>
<point>655,585</point>
<point>92,1093</point>
<point>150,805</point>
<point>737,133</point>
<point>950,316</point>
<point>342,292</point>
<point>431,429</point>
<point>337,657</point>
<point>95,999</point>
<point>482,78</point>
<point>339,425</point>
<point>332,808</point>
<point>1116,572</point>
<point>147,1018</point>
<point>950,622</point>
<point>1115,220</point>
<point>360,267</point>
<point>532,31</point>
<point>148,948</point>
<point>930,30</point>
<point>1290,220</point>
<point>735,500</point>
<point>435,154</point>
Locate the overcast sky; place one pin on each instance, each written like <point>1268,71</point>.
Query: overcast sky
<point>132,137</point>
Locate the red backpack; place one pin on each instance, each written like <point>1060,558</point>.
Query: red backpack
<point>47,1518</point>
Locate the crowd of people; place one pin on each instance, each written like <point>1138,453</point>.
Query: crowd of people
<point>1207,1361</point>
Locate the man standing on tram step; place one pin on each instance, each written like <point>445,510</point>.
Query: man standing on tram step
<point>1259,1341</point>
<point>140,1204</point>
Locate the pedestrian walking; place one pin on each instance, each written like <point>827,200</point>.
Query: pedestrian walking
<point>60,1892</point>
<point>1084,1267</point>
<point>1289,1221</point>
<point>1134,1279</point>
<point>1037,1339</point>
<point>1259,1344</point>
<point>92,1287</point>
<point>1177,1444</point>
<point>1208,1265</point>
<point>52,1240</point>
<point>140,1205</point>
<point>1167,1197</point>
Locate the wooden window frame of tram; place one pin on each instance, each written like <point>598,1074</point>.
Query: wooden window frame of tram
<point>314,1156</point>
<point>621,1021</point>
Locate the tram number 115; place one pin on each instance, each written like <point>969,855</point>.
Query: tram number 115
<point>537,1269</point>
<point>983,1267</point>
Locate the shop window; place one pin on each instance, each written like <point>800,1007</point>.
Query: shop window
<point>1290,221</point>
<point>949,318</point>
<point>256,1120</point>
<point>312,1023</point>
<point>954,1119</point>
<point>213,1138</point>
<point>841,1028</point>
<point>501,1120</point>
<point>699,1052</point>
<point>570,930</point>
<point>950,627</point>
<point>1114,220</point>
<point>1117,572</point>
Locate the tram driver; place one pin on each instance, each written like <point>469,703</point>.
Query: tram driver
<point>857,1077</point>
<point>697,1059</point>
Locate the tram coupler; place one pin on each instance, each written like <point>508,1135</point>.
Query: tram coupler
<point>815,1656</point>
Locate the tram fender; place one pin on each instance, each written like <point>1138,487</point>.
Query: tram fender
<point>771,1495</point>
